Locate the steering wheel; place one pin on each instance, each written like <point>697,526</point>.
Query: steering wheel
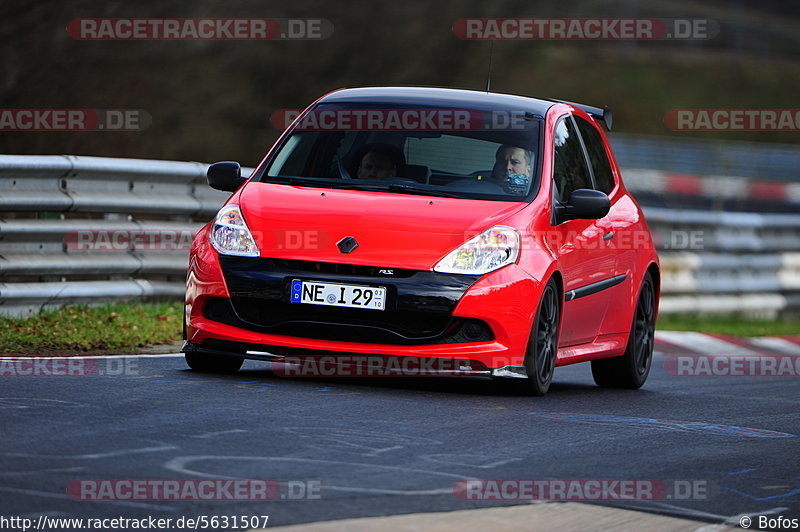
<point>486,174</point>
<point>483,185</point>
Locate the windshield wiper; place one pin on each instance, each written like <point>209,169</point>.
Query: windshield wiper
<point>397,187</point>
<point>354,185</point>
<point>279,179</point>
<point>425,191</point>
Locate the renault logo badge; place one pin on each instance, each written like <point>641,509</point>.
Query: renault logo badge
<point>347,245</point>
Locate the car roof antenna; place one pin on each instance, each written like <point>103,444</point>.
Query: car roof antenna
<point>489,72</point>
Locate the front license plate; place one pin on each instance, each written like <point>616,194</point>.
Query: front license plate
<point>338,295</point>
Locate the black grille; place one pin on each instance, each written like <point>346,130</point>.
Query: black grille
<point>344,269</point>
<point>419,304</point>
<point>347,325</point>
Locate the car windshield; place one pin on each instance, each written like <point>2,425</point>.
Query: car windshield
<point>462,153</point>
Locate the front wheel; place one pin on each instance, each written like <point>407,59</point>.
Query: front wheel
<point>631,369</point>
<point>208,363</point>
<point>540,358</point>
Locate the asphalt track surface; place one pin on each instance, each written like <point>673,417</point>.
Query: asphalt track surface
<point>385,446</point>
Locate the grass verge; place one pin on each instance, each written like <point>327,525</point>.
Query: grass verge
<point>729,325</point>
<point>116,327</point>
<point>127,327</point>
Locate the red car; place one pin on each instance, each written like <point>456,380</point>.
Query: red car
<point>486,233</point>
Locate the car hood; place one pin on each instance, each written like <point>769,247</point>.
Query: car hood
<point>392,229</point>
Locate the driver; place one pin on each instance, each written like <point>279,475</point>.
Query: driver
<point>380,162</point>
<point>512,168</point>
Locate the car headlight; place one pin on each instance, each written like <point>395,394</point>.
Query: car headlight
<point>494,248</point>
<point>230,235</point>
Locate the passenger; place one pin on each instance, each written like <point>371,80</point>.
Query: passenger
<point>381,161</point>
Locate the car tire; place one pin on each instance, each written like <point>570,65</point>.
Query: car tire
<point>540,356</point>
<point>209,363</point>
<point>631,369</point>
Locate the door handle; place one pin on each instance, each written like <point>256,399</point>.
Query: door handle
<point>608,236</point>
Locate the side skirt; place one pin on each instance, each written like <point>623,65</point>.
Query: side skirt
<point>604,346</point>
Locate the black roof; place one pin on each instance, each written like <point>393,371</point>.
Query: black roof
<point>427,96</point>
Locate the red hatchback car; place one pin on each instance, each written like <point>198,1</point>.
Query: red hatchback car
<point>448,226</point>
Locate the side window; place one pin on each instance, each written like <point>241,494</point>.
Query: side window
<point>570,171</point>
<point>597,156</point>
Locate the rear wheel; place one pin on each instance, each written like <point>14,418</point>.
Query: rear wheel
<point>631,369</point>
<point>540,358</point>
<point>208,363</point>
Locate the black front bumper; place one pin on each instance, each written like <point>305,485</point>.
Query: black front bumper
<point>419,307</point>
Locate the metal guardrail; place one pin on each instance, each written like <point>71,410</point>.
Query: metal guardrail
<point>724,232</point>
<point>47,202</point>
<point>721,262</point>
<point>711,261</point>
<point>712,192</point>
<point>67,183</point>
<point>696,156</point>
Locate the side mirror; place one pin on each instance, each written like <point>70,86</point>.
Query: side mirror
<point>225,176</point>
<point>584,204</point>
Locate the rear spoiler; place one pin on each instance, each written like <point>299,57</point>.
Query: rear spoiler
<point>603,114</point>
